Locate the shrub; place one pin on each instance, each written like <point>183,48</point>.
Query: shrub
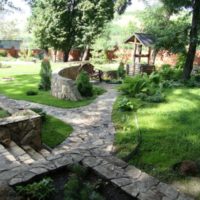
<point>125,105</point>
<point>166,72</point>
<point>98,91</point>
<point>31,93</point>
<point>3,53</point>
<point>158,97</point>
<point>45,74</point>
<point>154,78</point>
<point>133,85</point>
<point>76,188</point>
<point>192,82</point>
<point>181,61</point>
<point>121,72</point>
<point>41,190</point>
<point>83,84</point>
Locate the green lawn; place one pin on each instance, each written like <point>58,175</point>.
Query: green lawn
<point>20,84</point>
<point>20,68</point>
<point>54,131</point>
<point>170,132</point>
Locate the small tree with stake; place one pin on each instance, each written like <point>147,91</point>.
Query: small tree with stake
<point>45,74</point>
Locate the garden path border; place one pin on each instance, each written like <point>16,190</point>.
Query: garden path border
<point>90,144</point>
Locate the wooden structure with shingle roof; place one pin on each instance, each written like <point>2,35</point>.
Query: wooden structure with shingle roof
<point>139,40</point>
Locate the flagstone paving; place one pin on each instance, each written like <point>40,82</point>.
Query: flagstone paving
<point>90,144</point>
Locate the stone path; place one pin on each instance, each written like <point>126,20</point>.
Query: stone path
<point>91,143</point>
<point>92,124</point>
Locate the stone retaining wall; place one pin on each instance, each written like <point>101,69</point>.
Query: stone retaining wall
<point>129,179</point>
<point>23,127</point>
<point>63,85</point>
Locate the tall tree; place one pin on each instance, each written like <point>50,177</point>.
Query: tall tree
<point>54,24</point>
<point>171,32</point>
<point>175,6</point>
<point>94,15</point>
<point>63,24</point>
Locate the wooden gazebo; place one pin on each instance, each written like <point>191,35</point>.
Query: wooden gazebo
<point>141,40</point>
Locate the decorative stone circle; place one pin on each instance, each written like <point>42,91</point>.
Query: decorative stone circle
<point>63,85</point>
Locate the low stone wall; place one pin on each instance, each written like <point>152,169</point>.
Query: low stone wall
<point>63,85</point>
<point>23,127</point>
<point>70,72</point>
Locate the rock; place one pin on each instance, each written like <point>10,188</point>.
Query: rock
<point>188,167</point>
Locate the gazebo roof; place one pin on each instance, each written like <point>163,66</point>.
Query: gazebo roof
<point>145,39</point>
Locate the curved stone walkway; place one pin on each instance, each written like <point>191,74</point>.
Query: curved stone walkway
<point>92,124</point>
<point>91,143</point>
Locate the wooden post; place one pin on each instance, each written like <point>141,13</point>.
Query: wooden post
<point>149,58</point>
<point>134,57</point>
<point>140,52</point>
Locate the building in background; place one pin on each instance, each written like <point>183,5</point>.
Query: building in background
<point>12,47</point>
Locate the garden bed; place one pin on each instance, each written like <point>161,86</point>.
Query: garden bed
<point>81,184</point>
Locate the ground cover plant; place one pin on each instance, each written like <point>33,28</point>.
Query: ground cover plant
<point>54,131</point>
<point>3,113</point>
<point>168,131</point>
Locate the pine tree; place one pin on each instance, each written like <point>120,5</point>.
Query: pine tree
<point>45,74</point>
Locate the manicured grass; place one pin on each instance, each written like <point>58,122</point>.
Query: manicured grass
<point>20,84</point>
<point>3,113</point>
<point>54,131</point>
<point>21,68</point>
<point>170,132</point>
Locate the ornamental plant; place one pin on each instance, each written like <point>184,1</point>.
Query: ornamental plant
<point>45,74</point>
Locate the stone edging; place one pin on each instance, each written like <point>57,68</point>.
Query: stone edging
<point>128,178</point>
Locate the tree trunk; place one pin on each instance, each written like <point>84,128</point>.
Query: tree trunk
<point>193,41</point>
<point>66,55</point>
<point>86,52</point>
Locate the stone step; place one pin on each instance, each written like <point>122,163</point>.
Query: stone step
<point>33,153</point>
<point>45,153</point>
<point>19,154</point>
<point>7,160</point>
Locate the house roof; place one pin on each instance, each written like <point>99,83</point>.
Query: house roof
<point>145,39</point>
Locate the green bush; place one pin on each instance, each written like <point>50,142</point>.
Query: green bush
<point>133,85</point>
<point>45,74</point>
<point>31,93</point>
<point>98,91</point>
<point>3,53</point>
<point>126,105</point>
<point>192,82</point>
<point>83,84</point>
<point>166,72</point>
<point>77,189</point>
<point>181,61</point>
<point>154,78</point>
<point>158,97</point>
<point>121,72</point>
<point>42,190</point>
